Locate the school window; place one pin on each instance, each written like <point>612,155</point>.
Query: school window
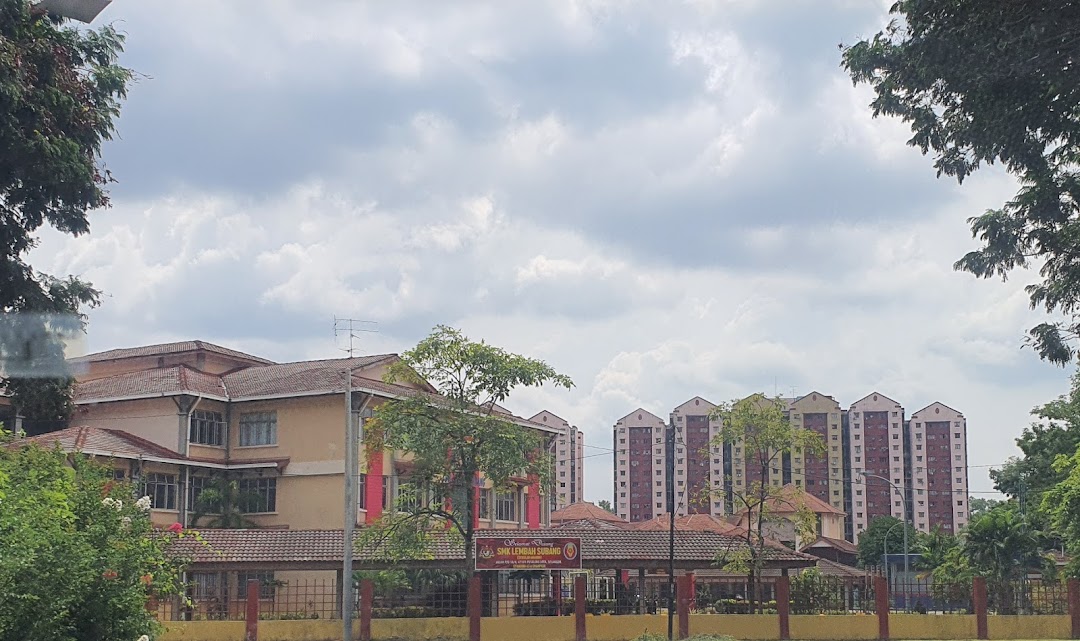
<point>267,584</point>
<point>206,428</point>
<point>506,506</point>
<point>260,495</point>
<point>161,488</point>
<point>258,428</point>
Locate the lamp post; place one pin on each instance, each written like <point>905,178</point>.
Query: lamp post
<point>886,549</point>
<point>671,530</point>
<point>903,500</point>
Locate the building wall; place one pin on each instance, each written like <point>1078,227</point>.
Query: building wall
<point>876,447</point>
<point>821,476</point>
<point>208,362</point>
<point>638,477</point>
<point>699,464</point>
<point>569,444</point>
<point>939,493</point>
<point>156,419</point>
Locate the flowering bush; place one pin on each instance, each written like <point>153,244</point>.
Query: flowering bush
<point>78,556</point>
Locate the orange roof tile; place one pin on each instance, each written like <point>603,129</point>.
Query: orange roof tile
<point>162,349</point>
<point>584,510</point>
<point>688,523</point>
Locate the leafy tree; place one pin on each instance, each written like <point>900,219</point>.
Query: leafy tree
<point>1003,546</point>
<point>872,540</point>
<point>1057,434</point>
<point>995,81</point>
<point>978,506</point>
<point>761,427</point>
<point>77,557</point>
<point>60,92</point>
<point>934,549</point>
<point>454,438</point>
<point>222,504</point>
<point>605,505</point>
<point>1061,504</point>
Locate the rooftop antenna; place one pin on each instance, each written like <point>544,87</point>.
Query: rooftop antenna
<point>351,327</point>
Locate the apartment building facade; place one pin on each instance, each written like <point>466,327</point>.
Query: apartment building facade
<point>569,451</point>
<point>820,475</point>
<point>937,442</point>
<point>876,447</point>
<point>175,417</point>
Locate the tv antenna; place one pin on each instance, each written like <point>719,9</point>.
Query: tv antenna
<point>352,327</point>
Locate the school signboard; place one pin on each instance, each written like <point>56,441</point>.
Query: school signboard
<point>546,553</point>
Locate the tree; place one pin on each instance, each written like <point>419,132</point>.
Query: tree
<point>605,505</point>
<point>935,549</point>
<point>979,506</point>
<point>760,426</point>
<point>1057,434</point>
<point>1061,504</point>
<point>60,92</point>
<point>78,559</point>
<point>222,504</point>
<point>872,540</point>
<point>454,438</point>
<point>1003,546</point>
<point>995,81</point>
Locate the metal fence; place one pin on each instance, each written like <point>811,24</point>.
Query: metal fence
<point>1027,596</point>
<point>924,596</point>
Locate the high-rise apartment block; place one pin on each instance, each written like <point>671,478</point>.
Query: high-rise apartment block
<point>876,462</point>
<point>569,451</point>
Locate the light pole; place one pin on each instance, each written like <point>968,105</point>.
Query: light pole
<point>886,549</point>
<point>903,500</point>
<point>671,530</point>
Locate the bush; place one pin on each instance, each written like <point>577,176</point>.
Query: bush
<point>78,555</point>
<point>741,606</point>
<point>404,612</point>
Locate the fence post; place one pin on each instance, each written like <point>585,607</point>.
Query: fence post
<point>367,594</point>
<point>978,599</point>
<point>475,596</point>
<point>580,597</point>
<point>881,599</point>
<point>1074,607</point>
<point>783,604</point>
<point>556,591</point>
<point>251,614</point>
<point>682,604</point>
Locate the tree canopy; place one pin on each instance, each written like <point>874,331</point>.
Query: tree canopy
<point>60,93</point>
<point>872,540</point>
<point>455,438</point>
<point>995,81</point>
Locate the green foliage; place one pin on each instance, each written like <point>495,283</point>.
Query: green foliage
<point>453,438</point>
<point>222,504</point>
<point>759,426</point>
<point>1062,505</point>
<point>1057,434</point>
<point>78,559</point>
<point>995,81</point>
<point>605,505</point>
<point>872,541</point>
<point>934,548</point>
<point>978,506</point>
<point>60,93</point>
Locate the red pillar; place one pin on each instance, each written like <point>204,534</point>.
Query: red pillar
<point>475,606</point>
<point>251,615</point>
<point>978,599</point>
<point>783,605</point>
<point>556,591</point>
<point>476,508</point>
<point>580,597</point>
<point>881,598</point>
<point>532,506</point>
<point>374,491</point>
<point>1074,607</point>
<point>367,593</point>
<point>682,603</point>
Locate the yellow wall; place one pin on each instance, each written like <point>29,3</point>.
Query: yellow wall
<point>154,419</point>
<point>837,627</point>
<point>740,626</point>
<point>537,628</point>
<point>933,626</point>
<point>1028,627</point>
<point>306,502</point>
<point>309,428</point>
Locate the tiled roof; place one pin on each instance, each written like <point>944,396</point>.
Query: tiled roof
<point>120,444</point>
<point>162,349</point>
<point>791,499</point>
<point>165,381</point>
<point>599,548</point>
<point>838,544</point>
<point>832,568</point>
<point>296,378</point>
<point>582,524</point>
<point>689,523</point>
<point>584,510</point>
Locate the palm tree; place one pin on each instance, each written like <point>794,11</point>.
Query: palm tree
<point>1004,547</point>
<point>223,504</point>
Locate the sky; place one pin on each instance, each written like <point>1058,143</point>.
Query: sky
<point>660,199</point>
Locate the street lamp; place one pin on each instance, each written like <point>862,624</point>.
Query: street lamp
<point>886,549</point>
<point>903,520</point>
<point>81,10</point>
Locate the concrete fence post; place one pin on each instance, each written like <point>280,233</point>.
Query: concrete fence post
<point>580,598</point>
<point>475,606</point>
<point>881,602</point>
<point>783,605</point>
<point>978,600</point>
<point>682,603</point>
<point>1074,607</point>
<point>367,595</point>
<point>251,613</point>
<point>556,591</point>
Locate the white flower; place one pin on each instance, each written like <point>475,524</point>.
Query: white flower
<point>125,523</point>
<point>144,638</point>
<point>108,502</point>
<point>119,505</point>
<point>143,504</point>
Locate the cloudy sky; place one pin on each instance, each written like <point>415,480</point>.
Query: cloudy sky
<point>662,199</point>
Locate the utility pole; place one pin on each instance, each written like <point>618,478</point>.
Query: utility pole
<point>352,471</point>
<point>671,530</point>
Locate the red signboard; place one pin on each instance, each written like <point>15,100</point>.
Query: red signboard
<point>528,553</point>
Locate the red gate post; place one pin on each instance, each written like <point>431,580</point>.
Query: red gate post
<point>682,603</point>
<point>474,605</point>
<point>978,599</point>
<point>367,593</point>
<point>580,596</point>
<point>881,599</point>
<point>556,591</point>
<point>1074,607</point>
<point>783,605</point>
<point>251,614</point>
